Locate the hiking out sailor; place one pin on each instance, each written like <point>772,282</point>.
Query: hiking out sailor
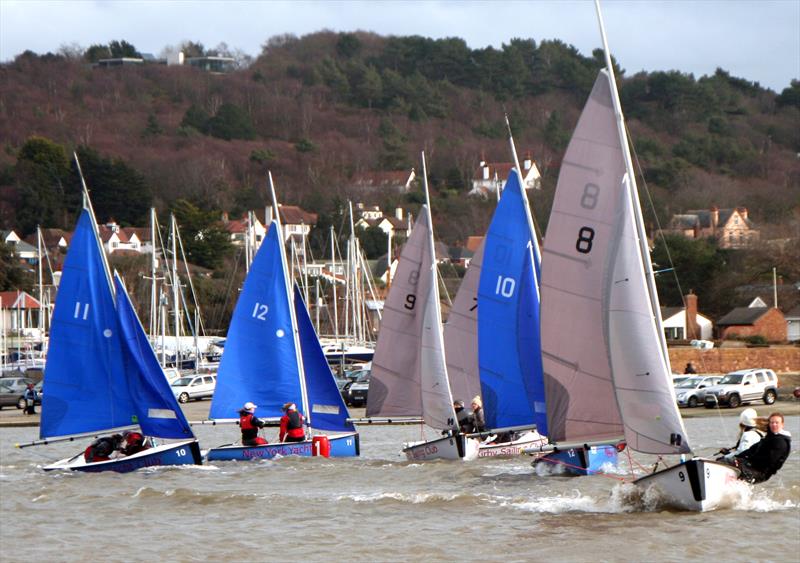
<point>764,459</point>
<point>249,425</point>
<point>751,431</point>
<point>291,424</point>
<point>102,448</point>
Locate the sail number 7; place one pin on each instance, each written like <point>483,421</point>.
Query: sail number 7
<point>260,312</point>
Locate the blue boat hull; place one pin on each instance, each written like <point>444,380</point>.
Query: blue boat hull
<point>342,445</point>
<point>582,461</point>
<point>179,453</point>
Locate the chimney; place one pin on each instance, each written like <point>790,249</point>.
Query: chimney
<point>692,328</point>
<point>485,170</point>
<point>714,218</point>
<point>224,216</point>
<point>398,213</point>
<point>526,164</point>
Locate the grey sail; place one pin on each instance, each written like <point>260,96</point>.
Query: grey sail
<point>461,334</point>
<point>581,401</point>
<point>395,384</point>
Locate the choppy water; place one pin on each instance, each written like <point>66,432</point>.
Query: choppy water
<point>378,508</point>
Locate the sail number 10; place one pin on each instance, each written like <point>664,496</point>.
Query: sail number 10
<point>505,286</point>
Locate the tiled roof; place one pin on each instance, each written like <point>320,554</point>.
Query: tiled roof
<point>142,233</point>
<point>290,215</point>
<point>18,299</point>
<point>743,316</point>
<point>107,232</point>
<point>473,243</point>
<point>668,312</point>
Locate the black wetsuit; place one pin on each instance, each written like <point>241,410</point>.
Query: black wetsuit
<point>764,459</point>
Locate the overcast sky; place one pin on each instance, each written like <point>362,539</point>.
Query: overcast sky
<point>754,39</point>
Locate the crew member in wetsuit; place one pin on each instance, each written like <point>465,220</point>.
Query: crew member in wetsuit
<point>249,425</point>
<point>763,460</point>
<point>478,418</point>
<point>292,424</point>
<point>134,443</point>
<point>102,448</point>
<point>463,417</point>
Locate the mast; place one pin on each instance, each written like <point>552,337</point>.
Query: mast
<point>153,282</point>
<point>333,275</point>
<point>175,290</point>
<point>87,203</point>
<point>634,194</point>
<point>41,286</point>
<point>290,296</point>
<point>528,215</point>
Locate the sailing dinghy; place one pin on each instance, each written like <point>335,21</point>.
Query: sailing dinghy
<point>607,370</point>
<point>102,374</point>
<point>273,356</point>
<point>409,372</point>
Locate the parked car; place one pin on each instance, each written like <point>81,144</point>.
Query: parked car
<point>12,390</point>
<point>194,387</point>
<point>692,391</point>
<point>743,386</point>
<point>354,393</point>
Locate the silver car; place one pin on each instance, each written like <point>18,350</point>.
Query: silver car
<point>194,387</point>
<point>691,391</point>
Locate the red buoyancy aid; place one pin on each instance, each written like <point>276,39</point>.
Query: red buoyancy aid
<point>249,430</point>
<point>292,425</point>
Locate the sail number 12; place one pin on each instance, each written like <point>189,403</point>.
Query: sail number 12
<point>260,312</point>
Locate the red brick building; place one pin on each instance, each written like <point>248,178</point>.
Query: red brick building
<point>768,322</point>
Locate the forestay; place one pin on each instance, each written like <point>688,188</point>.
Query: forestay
<point>508,318</point>
<point>260,359</point>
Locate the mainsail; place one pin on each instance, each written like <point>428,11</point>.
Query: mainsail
<point>508,318</point>
<point>409,374</point>
<point>260,360</point>
<point>85,376</point>
<point>603,354</point>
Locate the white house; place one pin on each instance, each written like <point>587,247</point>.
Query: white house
<point>674,320</point>
<point>19,312</point>
<point>490,177</point>
<point>396,225</point>
<point>22,249</point>
<point>793,325</point>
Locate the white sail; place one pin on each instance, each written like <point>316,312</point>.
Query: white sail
<point>639,368</point>
<point>437,402</point>
<point>461,334</point>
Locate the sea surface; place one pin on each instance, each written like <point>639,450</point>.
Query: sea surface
<point>379,507</point>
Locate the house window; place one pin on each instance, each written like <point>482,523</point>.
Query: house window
<point>114,245</point>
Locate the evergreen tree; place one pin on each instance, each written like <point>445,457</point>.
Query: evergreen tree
<point>42,176</point>
<point>231,122</point>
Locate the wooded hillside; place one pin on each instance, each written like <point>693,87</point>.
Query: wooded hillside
<point>320,109</point>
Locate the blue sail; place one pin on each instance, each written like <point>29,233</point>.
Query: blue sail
<point>328,411</point>
<point>84,375</point>
<point>260,362</point>
<point>157,410</point>
<point>509,348</point>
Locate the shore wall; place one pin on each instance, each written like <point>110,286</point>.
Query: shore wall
<point>781,359</point>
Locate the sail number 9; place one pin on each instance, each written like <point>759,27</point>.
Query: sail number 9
<point>505,286</point>
<point>260,312</point>
<point>411,300</point>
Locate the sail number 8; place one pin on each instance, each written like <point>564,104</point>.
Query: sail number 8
<point>584,242</point>
<point>505,286</point>
<point>260,312</point>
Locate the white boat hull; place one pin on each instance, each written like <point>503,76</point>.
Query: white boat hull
<point>530,439</point>
<point>698,485</point>
<point>456,447</point>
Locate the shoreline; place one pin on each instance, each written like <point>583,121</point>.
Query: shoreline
<point>198,410</point>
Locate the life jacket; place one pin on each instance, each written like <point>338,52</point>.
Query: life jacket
<point>294,426</point>
<point>249,430</point>
<point>134,443</point>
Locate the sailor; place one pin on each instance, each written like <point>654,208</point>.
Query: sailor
<point>102,448</point>
<point>478,418</point>
<point>463,417</point>
<point>249,424</point>
<point>291,424</point>
<point>134,443</point>
<point>749,435</point>
<point>764,459</point>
